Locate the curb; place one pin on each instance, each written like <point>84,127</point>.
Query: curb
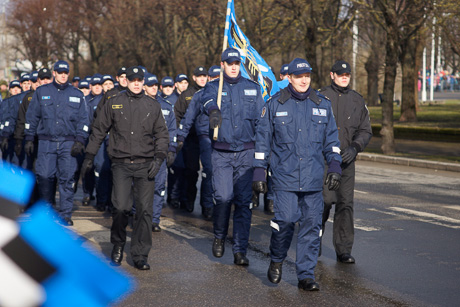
<point>452,167</point>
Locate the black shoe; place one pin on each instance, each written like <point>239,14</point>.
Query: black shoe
<point>117,254</point>
<point>66,221</point>
<point>346,258</point>
<point>218,247</point>
<point>308,284</point>
<point>174,203</point>
<point>100,207</point>
<point>268,206</point>
<point>274,272</point>
<point>207,213</point>
<point>189,206</point>
<point>142,265</point>
<point>85,201</point>
<point>240,259</point>
<point>156,227</point>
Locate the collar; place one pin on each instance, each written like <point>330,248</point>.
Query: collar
<point>340,89</point>
<point>60,86</point>
<point>297,95</point>
<point>131,94</point>
<point>232,80</point>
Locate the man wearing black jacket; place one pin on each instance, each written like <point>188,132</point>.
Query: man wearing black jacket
<point>138,145</point>
<point>191,152</point>
<point>353,124</point>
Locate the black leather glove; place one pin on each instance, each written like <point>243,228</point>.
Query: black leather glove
<point>333,181</point>
<point>255,199</point>
<point>18,147</point>
<point>4,144</point>
<point>87,166</point>
<point>154,167</point>
<point>349,154</point>
<point>29,148</point>
<point>77,149</point>
<point>259,187</point>
<point>180,144</point>
<point>170,158</point>
<point>215,119</point>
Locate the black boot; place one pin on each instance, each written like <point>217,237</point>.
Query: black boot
<point>218,247</point>
<point>117,254</point>
<point>268,206</point>
<point>274,272</point>
<point>240,259</point>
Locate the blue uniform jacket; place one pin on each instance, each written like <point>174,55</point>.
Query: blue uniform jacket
<point>10,108</point>
<point>171,99</point>
<point>240,110</point>
<point>168,113</point>
<point>57,112</point>
<point>194,115</point>
<point>294,137</point>
<point>92,102</point>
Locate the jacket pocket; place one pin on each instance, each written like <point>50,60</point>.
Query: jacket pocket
<point>284,129</point>
<point>318,127</point>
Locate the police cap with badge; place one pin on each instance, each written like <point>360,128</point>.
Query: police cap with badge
<point>34,76</point>
<point>44,73</point>
<point>121,71</point>
<point>200,71</point>
<point>231,55</point>
<point>134,72</point>
<point>284,69</point>
<point>14,83</point>
<point>167,81</point>
<point>341,67</point>
<point>25,77</point>
<point>61,66</point>
<point>214,71</point>
<point>96,79</point>
<point>299,66</point>
<point>181,77</point>
<point>150,79</point>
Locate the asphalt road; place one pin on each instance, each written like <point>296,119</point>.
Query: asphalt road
<point>407,251</point>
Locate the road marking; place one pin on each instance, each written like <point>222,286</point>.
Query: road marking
<point>425,214</point>
<point>413,218</point>
<point>357,225</point>
<point>362,192</point>
<point>185,232</point>
<point>452,207</point>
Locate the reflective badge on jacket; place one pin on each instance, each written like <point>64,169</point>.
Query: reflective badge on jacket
<point>278,114</point>
<point>46,97</point>
<point>165,112</point>
<point>319,112</point>
<point>74,99</point>
<point>117,106</point>
<point>251,92</point>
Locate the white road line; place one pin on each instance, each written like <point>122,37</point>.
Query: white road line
<point>452,207</point>
<point>358,225</point>
<point>412,218</point>
<point>185,232</point>
<point>425,214</point>
<point>361,192</point>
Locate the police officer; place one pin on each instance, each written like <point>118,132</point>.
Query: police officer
<point>182,83</point>
<point>233,152</point>
<point>168,92</point>
<point>138,145</point>
<point>191,152</point>
<point>25,82</point>
<point>284,71</point>
<point>122,86</point>
<point>58,115</point>
<point>107,83</point>
<point>76,81</point>
<point>83,86</point>
<point>355,132</point>
<point>151,89</point>
<point>198,120</point>
<point>295,134</point>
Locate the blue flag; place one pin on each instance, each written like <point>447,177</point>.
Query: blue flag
<point>253,66</point>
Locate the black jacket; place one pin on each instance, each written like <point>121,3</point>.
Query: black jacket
<point>107,95</point>
<point>137,128</point>
<point>351,116</point>
<point>183,102</point>
<point>21,121</point>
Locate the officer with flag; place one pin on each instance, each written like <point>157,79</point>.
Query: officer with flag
<point>138,145</point>
<point>233,152</point>
<point>296,133</point>
<point>58,114</point>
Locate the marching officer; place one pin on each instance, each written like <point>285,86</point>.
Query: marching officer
<point>138,145</point>
<point>168,92</point>
<point>355,132</point>
<point>233,152</point>
<point>284,71</point>
<point>182,83</point>
<point>58,115</point>
<point>296,132</point>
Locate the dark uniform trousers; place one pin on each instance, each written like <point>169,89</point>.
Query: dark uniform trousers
<point>343,228</point>
<point>125,177</point>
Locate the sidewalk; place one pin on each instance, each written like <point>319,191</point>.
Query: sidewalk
<point>417,148</point>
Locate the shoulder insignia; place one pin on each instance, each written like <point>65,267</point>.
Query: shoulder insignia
<point>117,106</point>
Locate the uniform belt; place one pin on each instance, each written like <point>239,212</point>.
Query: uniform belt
<point>131,161</point>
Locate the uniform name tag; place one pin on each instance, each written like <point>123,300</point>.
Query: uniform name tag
<point>250,92</point>
<point>165,112</point>
<point>224,93</point>
<point>46,97</point>
<point>278,114</point>
<point>117,106</point>
<point>74,99</point>
<point>319,112</point>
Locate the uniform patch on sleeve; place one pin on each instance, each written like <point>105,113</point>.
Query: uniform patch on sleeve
<point>264,110</point>
<point>117,106</point>
<point>259,155</point>
<point>174,139</point>
<point>278,114</point>
<point>74,99</point>
<point>274,225</point>
<point>27,126</point>
<point>319,112</point>
<point>181,127</point>
<point>336,149</point>
<point>85,128</point>
<point>250,92</point>
<point>7,124</point>
<point>165,112</point>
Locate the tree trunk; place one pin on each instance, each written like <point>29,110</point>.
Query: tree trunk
<point>372,67</point>
<point>391,62</point>
<point>409,82</point>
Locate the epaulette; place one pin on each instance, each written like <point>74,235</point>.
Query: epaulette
<point>322,95</point>
<point>284,95</point>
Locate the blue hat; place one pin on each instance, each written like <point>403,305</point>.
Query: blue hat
<point>143,69</point>
<point>24,77</point>
<point>83,84</point>
<point>231,55</point>
<point>214,71</point>
<point>299,66</point>
<point>150,79</point>
<point>135,72</point>
<point>61,66</point>
<point>34,76</point>
<point>96,79</point>
<point>106,78</point>
<point>76,79</point>
<point>284,69</point>
<point>167,81</point>
<point>181,77</point>
<point>88,79</point>
<point>14,83</point>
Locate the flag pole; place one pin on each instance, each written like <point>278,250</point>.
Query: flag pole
<point>221,78</point>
